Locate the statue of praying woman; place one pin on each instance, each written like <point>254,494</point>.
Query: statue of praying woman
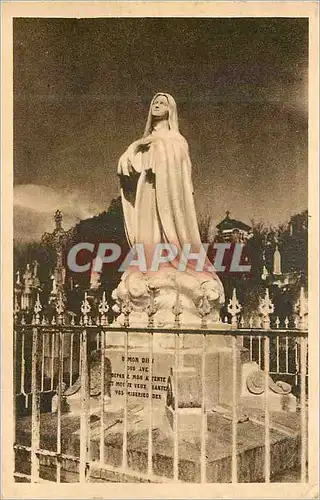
<point>158,205</point>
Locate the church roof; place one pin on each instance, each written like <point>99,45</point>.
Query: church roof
<point>228,224</point>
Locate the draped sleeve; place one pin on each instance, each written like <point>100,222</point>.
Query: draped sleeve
<point>129,166</point>
<point>130,160</point>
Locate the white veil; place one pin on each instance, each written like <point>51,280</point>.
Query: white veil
<point>173,114</point>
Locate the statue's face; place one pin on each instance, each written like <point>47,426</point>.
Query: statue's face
<point>160,107</point>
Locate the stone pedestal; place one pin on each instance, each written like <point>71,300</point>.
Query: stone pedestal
<point>218,377</point>
<point>218,371</point>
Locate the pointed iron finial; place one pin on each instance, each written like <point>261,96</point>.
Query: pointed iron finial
<point>103,309</point>
<point>234,308</point>
<point>73,321</point>
<point>85,309</point>
<point>37,308</point>
<point>266,307</point>
<point>177,311</point>
<point>60,308</point>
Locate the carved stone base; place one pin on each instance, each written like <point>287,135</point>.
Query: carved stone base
<point>172,290</point>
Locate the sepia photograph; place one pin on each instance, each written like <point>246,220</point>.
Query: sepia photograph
<point>161,258</point>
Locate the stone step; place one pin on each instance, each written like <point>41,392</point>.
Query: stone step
<point>285,446</point>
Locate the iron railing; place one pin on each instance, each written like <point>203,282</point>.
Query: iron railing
<point>42,348</point>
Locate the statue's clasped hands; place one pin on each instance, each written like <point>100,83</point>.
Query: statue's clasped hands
<point>129,157</point>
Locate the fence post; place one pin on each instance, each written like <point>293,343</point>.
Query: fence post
<point>102,395</point>
<point>126,309</point>
<point>151,311</point>
<point>266,409</point>
<point>303,409</point>
<point>35,416</point>
<point>234,458</point>
<point>60,311</point>
<point>59,402</point>
<point>84,420</point>
<point>176,408</point>
<point>103,321</point>
<point>234,308</point>
<point>266,308</point>
<point>177,311</point>
<point>302,309</point>
<point>84,394</point>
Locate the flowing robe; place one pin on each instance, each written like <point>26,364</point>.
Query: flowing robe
<point>157,198</point>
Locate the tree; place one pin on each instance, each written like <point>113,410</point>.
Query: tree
<point>205,228</point>
<point>107,227</point>
<point>27,253</point>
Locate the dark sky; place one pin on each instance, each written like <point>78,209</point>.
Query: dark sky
<point>82,90</point>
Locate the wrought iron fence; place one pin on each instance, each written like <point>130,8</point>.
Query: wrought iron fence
<point>52,355</point>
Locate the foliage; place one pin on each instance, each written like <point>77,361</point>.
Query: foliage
<point>107,227</point>
<point>205,225</point>
<point>27,253</point>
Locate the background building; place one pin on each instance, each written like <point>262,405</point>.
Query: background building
<point>233,230</point>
